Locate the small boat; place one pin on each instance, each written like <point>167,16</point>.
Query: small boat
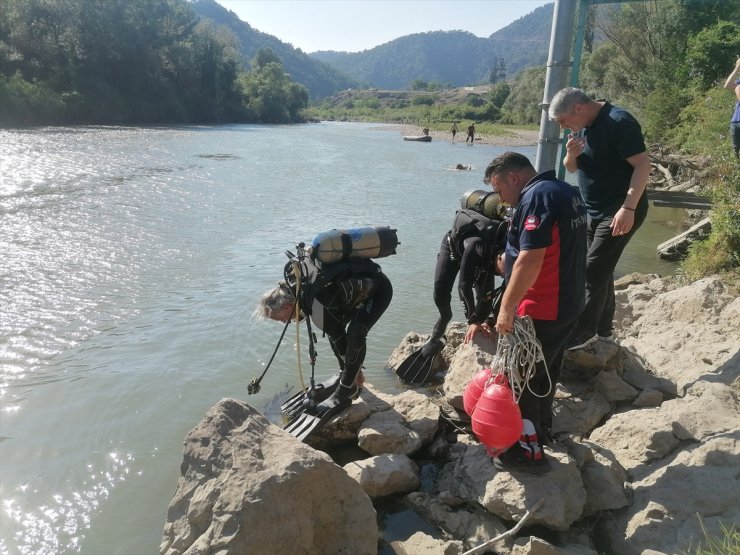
<point>421,138</point>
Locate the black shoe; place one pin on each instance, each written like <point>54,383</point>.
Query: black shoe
<point>338,401</point>
<point>580,339</point>
<point>517,457</point>
<point>432,347</point>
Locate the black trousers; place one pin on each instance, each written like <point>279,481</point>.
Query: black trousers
<point>604,251</point>
<point>445,273</point>
<point>536,405</point>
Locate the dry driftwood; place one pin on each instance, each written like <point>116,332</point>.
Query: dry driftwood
<point>508,533</point>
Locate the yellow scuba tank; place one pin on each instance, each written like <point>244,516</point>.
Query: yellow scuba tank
<point>360,242</point>
<point>487,203</point>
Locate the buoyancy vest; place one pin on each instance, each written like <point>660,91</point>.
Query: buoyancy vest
<point>470,223</point>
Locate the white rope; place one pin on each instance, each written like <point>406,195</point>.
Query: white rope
<point>517,354</point>
<point>297,274</point>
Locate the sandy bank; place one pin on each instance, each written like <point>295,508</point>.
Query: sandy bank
<point>518,137</point>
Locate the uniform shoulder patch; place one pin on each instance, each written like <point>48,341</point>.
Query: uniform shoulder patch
<point>531,223</point>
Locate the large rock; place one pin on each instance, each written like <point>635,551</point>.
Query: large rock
<point>640,437</point>
<point>385,474</point>
<point>387,432</point>
<point>692,320</point>
<point>509,495</point>
<point>422,544</point>
<point>246,486</point>
<point>672,506</point>
<point>419,412</point>
<point>468,359</point>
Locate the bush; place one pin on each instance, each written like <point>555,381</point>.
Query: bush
<point>422,100</point>
<point>27,103</point>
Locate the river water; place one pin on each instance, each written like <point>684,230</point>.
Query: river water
<point>131,260</point>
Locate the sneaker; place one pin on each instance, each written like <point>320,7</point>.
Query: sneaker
<point>580,339</point>
<point>517,457</point>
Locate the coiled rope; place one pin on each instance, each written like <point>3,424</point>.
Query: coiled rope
<point>517,354</point>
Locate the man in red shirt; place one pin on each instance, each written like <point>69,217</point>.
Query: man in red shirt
<point>544,268</point>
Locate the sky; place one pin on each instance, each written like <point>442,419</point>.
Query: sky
<point>355,25</point>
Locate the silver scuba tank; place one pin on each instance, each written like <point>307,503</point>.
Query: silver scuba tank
<point>487,203</point>
<point>360,242</point>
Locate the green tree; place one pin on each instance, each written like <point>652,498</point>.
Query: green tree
<point>711,51</point>
<point>499,93</point>
<point>263,57</point>
<point>522,106</point>
<point>272,96</point>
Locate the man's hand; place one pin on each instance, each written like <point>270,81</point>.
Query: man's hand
<point>483,329</point>
<point>504,322</point>
<point>622,222</point>
<point>575,145</point>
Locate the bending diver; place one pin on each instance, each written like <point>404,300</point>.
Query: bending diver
<point>469,249</point>
<point>344,308</point>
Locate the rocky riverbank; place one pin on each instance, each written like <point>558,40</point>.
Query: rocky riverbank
<point>645,458</point>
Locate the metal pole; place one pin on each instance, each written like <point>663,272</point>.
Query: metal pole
<point>556,78</point>
<point>583,7</point>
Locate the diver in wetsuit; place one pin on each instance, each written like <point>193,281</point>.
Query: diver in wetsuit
<point>468,249</point>
<point>344,307</point>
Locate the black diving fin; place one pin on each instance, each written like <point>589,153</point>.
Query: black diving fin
<point>314,417</point>
<point>417,368</point>
<point>309,397</point>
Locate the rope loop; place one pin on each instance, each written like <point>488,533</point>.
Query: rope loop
<point>517,355</point>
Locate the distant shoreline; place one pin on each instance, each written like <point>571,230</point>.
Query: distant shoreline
<point>518,137</point>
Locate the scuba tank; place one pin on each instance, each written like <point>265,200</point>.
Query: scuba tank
<point>360,242</point>
<point>487,203</point>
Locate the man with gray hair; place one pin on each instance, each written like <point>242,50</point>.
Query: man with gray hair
<point>606,149</point>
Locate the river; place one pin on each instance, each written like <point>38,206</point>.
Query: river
<point>132,259</point>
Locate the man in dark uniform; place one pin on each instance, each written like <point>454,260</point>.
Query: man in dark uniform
<point>545,279</point>
<point>607,150</point>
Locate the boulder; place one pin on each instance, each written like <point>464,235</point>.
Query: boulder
<point>577,409</point>
<point>419,412</point>
<point>247,486</point>
<point>692,320</point>
<point>385,474</point>
<point>638,438</point>
<point>509,495</point>
<point>387,432</point>
<point>672,507</point>
<point>422,544</point>
<point>468,359</point>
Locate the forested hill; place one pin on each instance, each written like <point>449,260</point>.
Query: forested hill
<point>320,79</point>
<point>448,57</point>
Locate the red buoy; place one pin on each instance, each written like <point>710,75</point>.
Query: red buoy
<point>497,421</point>
<point>474,389</point>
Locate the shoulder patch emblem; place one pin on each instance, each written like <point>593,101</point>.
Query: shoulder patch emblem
<point>531,223</point>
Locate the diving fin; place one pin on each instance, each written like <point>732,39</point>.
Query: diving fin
<point>417,368</point>
<point>312,419</point>
<point>309,397</point>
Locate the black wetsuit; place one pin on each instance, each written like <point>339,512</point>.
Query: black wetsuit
<point>346,309</point>
<point>470,249</point>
